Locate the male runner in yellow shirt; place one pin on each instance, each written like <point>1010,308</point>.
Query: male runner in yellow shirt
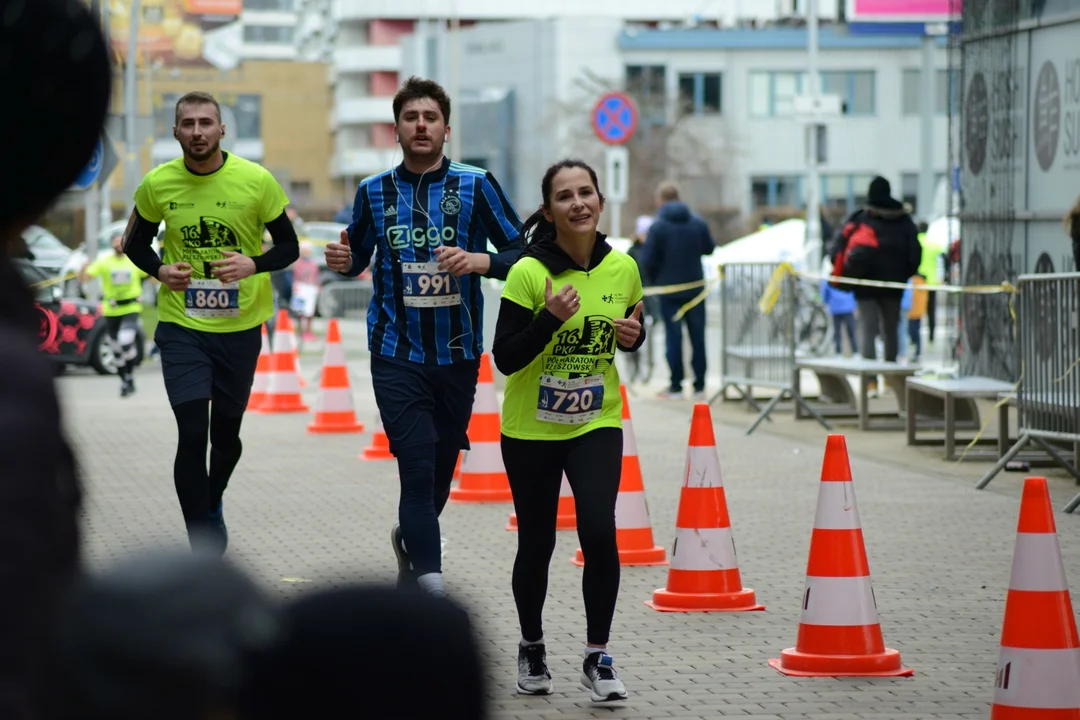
<point>215,294</point>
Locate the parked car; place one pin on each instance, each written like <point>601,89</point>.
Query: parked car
<point>43,249</point>
<point>72,330</point>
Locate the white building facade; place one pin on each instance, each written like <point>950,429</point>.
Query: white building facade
<point>367,58</point>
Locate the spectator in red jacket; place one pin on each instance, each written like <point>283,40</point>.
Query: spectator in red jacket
<point>879,242</point>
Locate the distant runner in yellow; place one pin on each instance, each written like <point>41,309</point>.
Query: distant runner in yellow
<point>215,294</point>
<point>121,292</point>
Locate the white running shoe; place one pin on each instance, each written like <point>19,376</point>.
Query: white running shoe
<point>599,677</point>
<point>534,678</point>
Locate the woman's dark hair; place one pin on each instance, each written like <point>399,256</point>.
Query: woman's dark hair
<point>540,227</point>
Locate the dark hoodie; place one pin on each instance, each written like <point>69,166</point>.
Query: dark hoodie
<point>673,248</point>
<point>519,335</point>
<point>879,242</point>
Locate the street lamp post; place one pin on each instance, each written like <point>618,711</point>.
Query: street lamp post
<point>813,201</point>
<point>131,145</point>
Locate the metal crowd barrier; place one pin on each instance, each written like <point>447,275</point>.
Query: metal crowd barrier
<point>346,299</point>
<point>1048,394</point>
<point>757,349</point>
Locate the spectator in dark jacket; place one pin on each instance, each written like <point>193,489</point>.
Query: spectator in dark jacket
<point>54,68</point>
<point>676,242</point>
<point>879,242</point>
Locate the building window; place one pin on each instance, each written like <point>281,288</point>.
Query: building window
<point>270,34</point>
<point>300,192</point>
<point>700,93</point>
<point>646,83</point>
<point>248,113</point>
<point>288,5</point>
<point>772,94</point>
<point>776,191</point>
<point>909,190</point>
<point>855,88</point>
<point>946,92</point>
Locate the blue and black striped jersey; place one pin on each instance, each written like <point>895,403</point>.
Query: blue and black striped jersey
<point>418,313</point>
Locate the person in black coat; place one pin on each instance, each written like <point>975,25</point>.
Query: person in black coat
<point>674,246</point>
<point>879,242</point>
<point>54,68</point>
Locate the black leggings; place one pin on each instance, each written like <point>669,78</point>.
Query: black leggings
<point>198,489</point>
<point>593,465</point>
<point>426,473</point>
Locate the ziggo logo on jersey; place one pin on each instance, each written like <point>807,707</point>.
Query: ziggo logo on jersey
<point>400,236</point>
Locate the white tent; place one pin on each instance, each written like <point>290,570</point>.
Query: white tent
<point>784,241</point>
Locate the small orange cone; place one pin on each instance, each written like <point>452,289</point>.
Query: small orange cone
<point>262,374</point>
<point>483,477</point>
<point>334,412</point>
<point>283,395</point>
<point>1038,670</point>
<point>839,631</point>
<point>704,574</point>
<point>457,467</point>
<point>566,518</point>
<point>633,530</point>
<point>379,449</point>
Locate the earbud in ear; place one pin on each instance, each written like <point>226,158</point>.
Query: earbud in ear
<point>397,139</point>
<point>446,138</point>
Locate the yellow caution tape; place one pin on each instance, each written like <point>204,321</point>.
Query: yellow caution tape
<point>55,280</point>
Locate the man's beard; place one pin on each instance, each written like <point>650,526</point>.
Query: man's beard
<point>202,156</point>
<point>435,152</point>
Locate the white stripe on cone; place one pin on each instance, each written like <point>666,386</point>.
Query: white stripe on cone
<point>1037,564</point>
<point>334,400</point>
<point>283,383</point>
<point>702,468</point>
<point>631,513</point>
<point>629,444</point>
<point>483,458</point>
<point>1043,679</point>
<point>334,355</point>
<point>836,509</point>
<point>261,383</point>
<point>284,342</point>
<point>485,402</point>
<point>839,602</point>
<point>564,489</point>
<point>703,549</point>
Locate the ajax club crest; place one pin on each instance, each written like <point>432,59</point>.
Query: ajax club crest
<point>450,204</point>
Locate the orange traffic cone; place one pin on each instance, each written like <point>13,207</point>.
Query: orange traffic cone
<point>262,374</point>
<point>483,477</point>
<point>704,574</point>
<point>379,449</point>
<point>633,531</point>
<point>839,631</point>
<point>283,395</point>
<point>1038,670</point>
<point>334,412</point>
<point>457,467</point>
<point>566,518</point>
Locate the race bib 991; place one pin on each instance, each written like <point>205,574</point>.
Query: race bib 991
<point>425,285</point>
<point>212,299</point>
<point>570,402</point>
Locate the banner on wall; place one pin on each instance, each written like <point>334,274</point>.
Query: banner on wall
<point>908,11</point>
<point>187,33</point>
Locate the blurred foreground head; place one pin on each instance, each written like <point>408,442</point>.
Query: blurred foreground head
<point>163,637</point>
<point>370,653</point>
<point>54,69</point>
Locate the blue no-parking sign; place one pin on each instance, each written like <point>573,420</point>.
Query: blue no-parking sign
<point>615,118</point>
<point>90,173</point>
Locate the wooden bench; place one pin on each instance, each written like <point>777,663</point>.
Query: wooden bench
<point>951,401</point>
<point>832,375</point>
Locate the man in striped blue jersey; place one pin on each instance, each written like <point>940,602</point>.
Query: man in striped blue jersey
<point>430,221</point>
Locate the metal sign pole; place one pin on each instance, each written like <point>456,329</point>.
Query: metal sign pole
<point>813,201</point>
<point>131,149</point>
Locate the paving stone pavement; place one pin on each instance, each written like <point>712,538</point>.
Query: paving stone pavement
<point>305,512</point>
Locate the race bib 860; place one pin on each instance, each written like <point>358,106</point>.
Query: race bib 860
<point>212,299</point>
